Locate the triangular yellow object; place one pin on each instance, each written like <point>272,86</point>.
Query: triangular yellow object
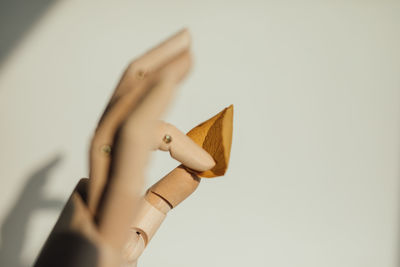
<point>215,136</point>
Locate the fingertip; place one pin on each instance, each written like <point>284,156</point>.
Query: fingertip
<point>184,149</point>
<point>206,162</point>
<point>191,155</point>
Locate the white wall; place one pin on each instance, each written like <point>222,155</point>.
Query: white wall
<point>314,173</point>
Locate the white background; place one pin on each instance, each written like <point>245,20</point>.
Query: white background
<point>314,172</point>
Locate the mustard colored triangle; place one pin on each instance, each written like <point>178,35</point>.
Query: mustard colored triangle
<point>215,136</point>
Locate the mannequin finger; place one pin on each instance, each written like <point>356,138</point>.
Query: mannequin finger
<point>131,155</point>
<point>182,148</point>
<point>134,83</point>
<point>156,58</point>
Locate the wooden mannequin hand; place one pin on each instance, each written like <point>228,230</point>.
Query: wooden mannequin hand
<point>94,225</point>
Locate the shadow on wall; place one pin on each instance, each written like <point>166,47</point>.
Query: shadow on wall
<point>13,230</point>
<point>16,18</point>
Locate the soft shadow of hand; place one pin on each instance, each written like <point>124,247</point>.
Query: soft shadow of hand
<point>31,198</point>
